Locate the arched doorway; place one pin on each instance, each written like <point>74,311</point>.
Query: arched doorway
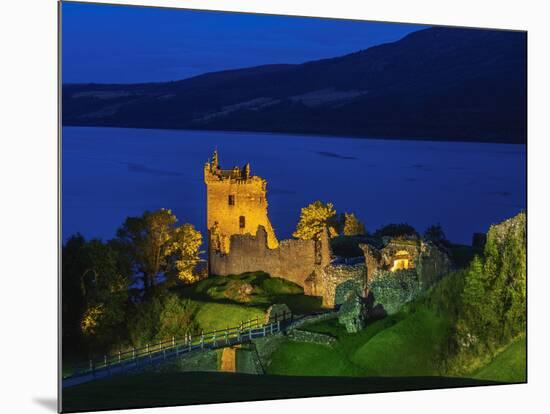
<point>401,261</point>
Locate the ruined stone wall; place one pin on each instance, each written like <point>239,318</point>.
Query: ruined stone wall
<point>304,262</point>
<point>294,260</point>
<point>394,246</point>
<point>428,260</point>
<point>337,282</point>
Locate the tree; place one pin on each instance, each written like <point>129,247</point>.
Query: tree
<point>352,225</point>
<point>314,219</point>
<point>72,299</point>
<point>396,230</point>
<point>94,293</point>
<point>184,249</point>
<point>104,286</point>
<point>157,247</point>
<point>505,267</point>
<point>160,318</point>
<point>494,296</point>
<point>476,311</point>
<point>146,240</point>
<point>435,233</point>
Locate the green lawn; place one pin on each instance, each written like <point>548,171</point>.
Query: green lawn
<point>405,344</point>
<point>508,366</point>
<point>409,347</point>
<point>399,345</point>
<point>296,358</point>
<point>212,316</point>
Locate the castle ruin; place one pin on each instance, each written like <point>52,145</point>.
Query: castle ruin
<point>428,260</point>
<point>241,239</point>
<point>236,203</point>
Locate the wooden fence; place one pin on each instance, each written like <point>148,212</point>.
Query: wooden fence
<point>161,351</point>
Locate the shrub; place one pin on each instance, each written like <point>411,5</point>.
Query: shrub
<point>161,318</point>
<point>176,318</point>
<point>144,324</point>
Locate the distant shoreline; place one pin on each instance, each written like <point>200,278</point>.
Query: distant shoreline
<point>306,134</point>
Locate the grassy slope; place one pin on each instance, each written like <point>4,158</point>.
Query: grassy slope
<point>405,344</point>
<point>221,302</point>
<point>400,345</point>
<point>297,358</point>
<point>212,316</point>
<point>508,366</point>
<point>407,348</point>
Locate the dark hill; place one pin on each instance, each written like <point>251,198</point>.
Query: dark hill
<point>439,83</point>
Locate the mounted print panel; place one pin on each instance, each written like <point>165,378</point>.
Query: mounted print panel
<point>259,207</point>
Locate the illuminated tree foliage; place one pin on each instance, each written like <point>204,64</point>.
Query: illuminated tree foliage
<point>157,247</point>
<point>184,247</point>
<point>314,219</point>
<point>352,225</point>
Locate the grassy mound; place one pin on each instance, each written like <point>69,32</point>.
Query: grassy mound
<point>508,366</point>
<point>252,289</point>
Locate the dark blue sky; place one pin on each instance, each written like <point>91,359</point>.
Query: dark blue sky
<point>121,44</point>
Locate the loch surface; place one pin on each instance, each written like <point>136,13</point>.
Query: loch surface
<point>111,173</point>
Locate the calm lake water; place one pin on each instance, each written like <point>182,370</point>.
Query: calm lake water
<point>112,173</point>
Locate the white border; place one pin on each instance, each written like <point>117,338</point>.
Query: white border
<point>28,29</point>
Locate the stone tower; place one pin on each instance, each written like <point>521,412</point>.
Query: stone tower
<point>236,203</point>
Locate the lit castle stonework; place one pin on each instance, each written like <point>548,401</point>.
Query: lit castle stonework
<point>236,204</point>
<point>241,239</point>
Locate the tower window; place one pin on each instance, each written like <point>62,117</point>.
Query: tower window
<point>242,222</point>
<point>231,200</point>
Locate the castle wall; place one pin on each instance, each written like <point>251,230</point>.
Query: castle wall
<point>304,262</point>
<point>427,260</point>
<point>293,260</point>
<point>339,281</point>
